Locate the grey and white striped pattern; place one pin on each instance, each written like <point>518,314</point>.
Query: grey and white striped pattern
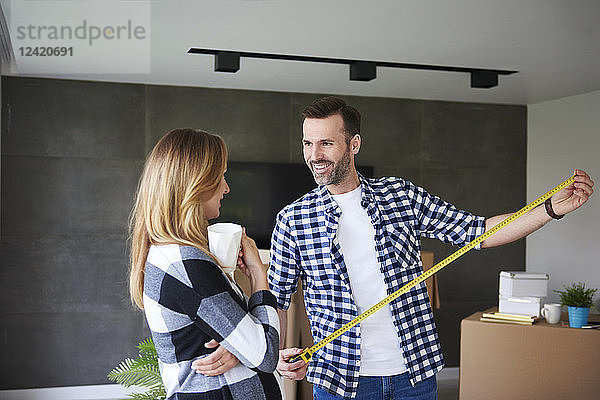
<point>188,301</point>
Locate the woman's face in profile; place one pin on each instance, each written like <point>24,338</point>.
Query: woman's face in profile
<point>213,204</point>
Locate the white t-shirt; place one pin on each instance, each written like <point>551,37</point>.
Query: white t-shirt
<point>380,352</point>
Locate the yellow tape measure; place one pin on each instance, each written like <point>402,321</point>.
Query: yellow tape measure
<point>306,355</point>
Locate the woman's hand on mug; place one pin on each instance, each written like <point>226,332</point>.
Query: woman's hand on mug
<point>250,264</point>
<point>249,260</point>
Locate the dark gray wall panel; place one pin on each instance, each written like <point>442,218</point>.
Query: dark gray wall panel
<point>391,131</point>
<point>63,349</point>
<point>53,195</point>
<point>72,153</point>
<point>60,273</point>
<point>483,191</point>
<point>486,192</point>
<point>255,125</point>
<point>474,135</point>
<point>49,117</point>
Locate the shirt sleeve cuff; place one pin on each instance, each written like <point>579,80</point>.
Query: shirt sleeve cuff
<point>477,229</point>
<point>262,298</point>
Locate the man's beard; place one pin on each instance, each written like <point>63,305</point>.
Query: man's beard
<point>338,173</point>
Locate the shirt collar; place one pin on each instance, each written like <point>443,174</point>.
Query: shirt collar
<point>368,195</point>
<point>330,205</point>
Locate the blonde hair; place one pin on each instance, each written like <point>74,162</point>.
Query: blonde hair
<point>181,173</point>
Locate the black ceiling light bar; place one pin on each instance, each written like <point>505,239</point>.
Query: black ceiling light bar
<point>360,70</point>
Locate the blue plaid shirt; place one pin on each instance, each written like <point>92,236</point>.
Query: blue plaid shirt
<point>305,246</point>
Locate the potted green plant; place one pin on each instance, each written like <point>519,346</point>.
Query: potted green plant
<point>578,300</point>
<point>141,371</point>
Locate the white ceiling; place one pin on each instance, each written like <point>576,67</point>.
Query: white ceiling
<point>554,44</point>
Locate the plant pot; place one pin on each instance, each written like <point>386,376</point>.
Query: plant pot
<point>578,316</point>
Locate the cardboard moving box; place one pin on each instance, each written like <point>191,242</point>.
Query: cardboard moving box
<point>541,361</point>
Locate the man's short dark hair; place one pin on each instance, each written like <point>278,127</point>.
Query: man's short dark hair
<point>328,106</point>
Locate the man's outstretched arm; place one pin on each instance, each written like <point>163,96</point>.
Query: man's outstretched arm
<point>563,202</point>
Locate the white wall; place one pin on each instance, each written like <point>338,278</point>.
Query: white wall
<point>564,134</point>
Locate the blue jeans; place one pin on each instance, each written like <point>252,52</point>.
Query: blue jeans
<point>395,387</point>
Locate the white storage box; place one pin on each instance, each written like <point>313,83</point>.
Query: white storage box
<point>523,284</point>
<point>530,306</point>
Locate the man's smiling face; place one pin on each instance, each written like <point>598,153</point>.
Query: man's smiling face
<point>326,150</point>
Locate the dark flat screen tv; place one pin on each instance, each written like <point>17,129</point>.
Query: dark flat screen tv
<point>260,190</point>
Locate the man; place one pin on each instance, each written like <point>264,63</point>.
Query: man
<point>353,241</point>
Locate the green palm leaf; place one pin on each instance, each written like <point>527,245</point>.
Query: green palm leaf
<point>146,347</point>
<point>142,371</point>
<point>132,372</point>
<point>152,394</point>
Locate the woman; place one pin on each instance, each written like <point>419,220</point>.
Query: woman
<point>191,305</point>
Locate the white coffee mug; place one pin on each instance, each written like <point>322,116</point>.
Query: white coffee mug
<point>552,312</point>
<point>224,240</point>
